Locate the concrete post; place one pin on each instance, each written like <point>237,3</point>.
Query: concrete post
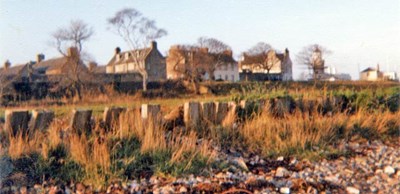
<point>80,121</point>
<point>222,109</point>
<point>208,113</point>
<point>111,116</point>
<point>150,110</point>
<point>230,117</point>
<point>191,114</point>
<point>41,119</point>
<point>16,121</point>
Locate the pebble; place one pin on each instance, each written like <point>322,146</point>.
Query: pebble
<point>389,170</point>
<point>282,172</point>
<point>284,190</point>
<point>352,190</point>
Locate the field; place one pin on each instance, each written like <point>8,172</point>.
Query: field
<point>137,150</point>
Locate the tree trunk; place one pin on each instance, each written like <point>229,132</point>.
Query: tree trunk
<point>144,76</point>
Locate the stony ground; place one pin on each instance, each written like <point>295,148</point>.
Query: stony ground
<point>370,167</point>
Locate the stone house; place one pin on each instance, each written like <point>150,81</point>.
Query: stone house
<point>17,73</point>
<point>68,64</point>
<point>218,66</point>
<point>255,67</point>
<point>227,69</point>
<point>149,59</point>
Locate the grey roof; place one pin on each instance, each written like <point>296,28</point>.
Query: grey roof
<point>368,69</point>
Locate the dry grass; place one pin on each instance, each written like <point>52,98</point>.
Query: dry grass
<point>21,144</point>
<point>270,135</point>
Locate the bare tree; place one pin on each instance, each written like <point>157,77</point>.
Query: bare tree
<point>218,51</point>
<point>311,56</point>
<point>69,42</point>
<point>137,31</point>
<point>190,62</point>
<point>260,56</point>
<point>259,48</point>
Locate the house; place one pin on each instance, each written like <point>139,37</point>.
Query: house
<point>65,65</point>
<point>266,66</point>
<point>16,73</point>
<point>371,74</point>
<point>149,59</point>
<point>390,76</point>
<point>182,61</point>
<point>227,68</point>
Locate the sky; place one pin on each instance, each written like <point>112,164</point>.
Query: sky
<point>360,33</point>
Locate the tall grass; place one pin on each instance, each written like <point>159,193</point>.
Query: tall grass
<point>296,133</point>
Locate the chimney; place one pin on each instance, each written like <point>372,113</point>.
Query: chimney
<point>7,64</point>
<point>92,65</point>
<point>72,52</point>
<point>117,50</point>
<point>228,52</point>
<point>204,50</point>
<point>39,58</point>
<point>153,45</point>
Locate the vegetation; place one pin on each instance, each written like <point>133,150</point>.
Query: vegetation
<point>139,149</point>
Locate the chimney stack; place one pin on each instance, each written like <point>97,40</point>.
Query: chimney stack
<point>117,51</point>
<point>72,52</point>
<point>153,45</point>
<point>92,65</point>
<point>39,58</point>
<point>204,50</point>
<point>7,64</point>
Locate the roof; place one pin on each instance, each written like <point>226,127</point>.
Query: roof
<point>369,69</point>
<point>99,69</point>
<point>51,64</point>
<point>226,58</point>
<point>251,59</point>
<point>13,70</point>
<point>125,57</point>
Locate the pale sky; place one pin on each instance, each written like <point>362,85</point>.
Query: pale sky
<point>360,33</point>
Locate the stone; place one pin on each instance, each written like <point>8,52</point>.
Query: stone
<point>352,190</point>
<point>41,120</point>
<point>284,190</point>
<point>208,113</point>
<point>16,121</point>
<point>191,114</point>
<point>80,122</point>
<point>183,189</point>
<point>282,172</point>
<point>222,109</point>
<point>389,170</point>
<point>111,116</point>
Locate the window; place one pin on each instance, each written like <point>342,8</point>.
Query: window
<point>233,77</point>
<point>226,77</point>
